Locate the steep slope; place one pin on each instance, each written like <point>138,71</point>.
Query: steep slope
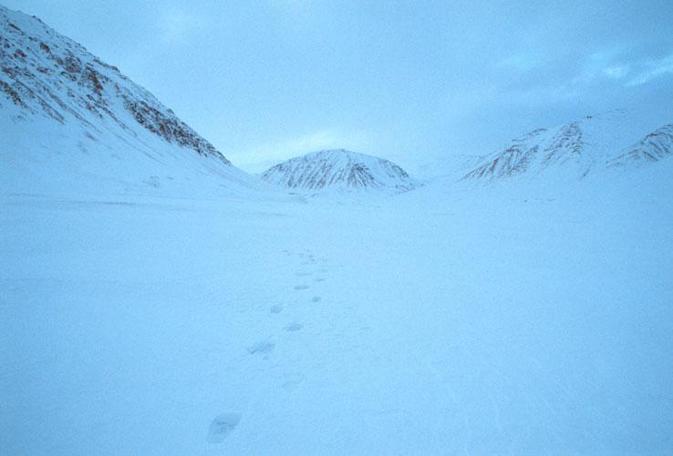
<point>339,170</point>
<point>70,118</point>
<point>575,149</point>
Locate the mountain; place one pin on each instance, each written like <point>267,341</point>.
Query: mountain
<point>653,147</point>
<point>73,123</point>
<point>341,170</point>
<point>577,148</point>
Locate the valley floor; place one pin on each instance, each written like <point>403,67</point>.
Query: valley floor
<point>441,321</point>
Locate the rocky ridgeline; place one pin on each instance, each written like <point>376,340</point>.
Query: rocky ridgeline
<point>575,149</point>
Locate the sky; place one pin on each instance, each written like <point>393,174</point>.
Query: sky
<point>417,82</point>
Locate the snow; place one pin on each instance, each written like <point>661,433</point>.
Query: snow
<point>42,157</point>
<point>502,319</point>
<point>158,301</point>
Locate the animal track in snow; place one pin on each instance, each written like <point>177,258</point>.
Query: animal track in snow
<point>294,326</point>
<point>276,308</point>
<point>292,381</point>
<point>263,347</point>
<point>222,425</point>
<point>301,287</point>
<point>316,299</point>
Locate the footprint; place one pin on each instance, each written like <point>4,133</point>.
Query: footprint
<point>319,279</point>
<point>316,299</point>
<point>276,309</point>
<point>222,425</point>
<point>263,347</point>
<point>301,287</point>
<point>294,326</point>
<point>292,381</point>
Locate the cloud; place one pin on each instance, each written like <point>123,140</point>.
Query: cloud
<point>619,67</point>
<point>616,71</point>
<point>606,63</point>
<point>651,70</point>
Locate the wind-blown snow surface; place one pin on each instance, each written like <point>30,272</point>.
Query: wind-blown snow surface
<point>507,319</point>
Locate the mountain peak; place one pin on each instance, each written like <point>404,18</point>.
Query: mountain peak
<point>339,169</point>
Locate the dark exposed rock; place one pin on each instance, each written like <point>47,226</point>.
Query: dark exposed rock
<point>168,127</point>
<point>12,94</point>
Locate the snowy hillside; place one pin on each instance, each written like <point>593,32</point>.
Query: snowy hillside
<point>656,146</point>
<point>72,123</point>
<point>339,170</point>
<point>575,149</point>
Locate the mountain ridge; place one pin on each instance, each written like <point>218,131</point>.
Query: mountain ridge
<point>576,148</point>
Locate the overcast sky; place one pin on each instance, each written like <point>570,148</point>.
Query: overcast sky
<point>413,81</point>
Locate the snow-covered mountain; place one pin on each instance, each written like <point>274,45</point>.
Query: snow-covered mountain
<point>578,148</point>
<point>653,147</point>
<point>72,123</point>
<point>339,170</point>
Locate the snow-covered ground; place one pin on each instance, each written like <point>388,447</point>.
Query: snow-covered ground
<point>453,319</point>
<point>156,300</point>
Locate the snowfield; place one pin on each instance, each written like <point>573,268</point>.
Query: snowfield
<point>453,319</point>
<point>157,300</point>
